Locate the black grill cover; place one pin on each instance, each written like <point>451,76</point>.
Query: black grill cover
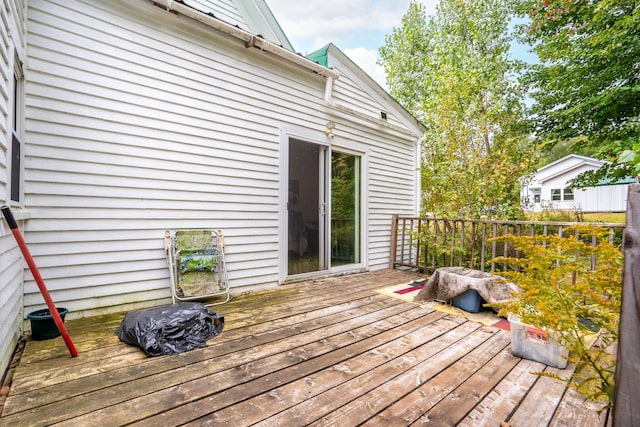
<point>170,329</point>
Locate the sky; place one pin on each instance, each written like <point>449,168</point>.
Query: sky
<point>358,29</point>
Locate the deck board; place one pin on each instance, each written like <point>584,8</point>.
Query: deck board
<point>411,407</point>
<point>541,401</point>
<point>322,352</point>
<point>497,405</point>
<point>459,402</point>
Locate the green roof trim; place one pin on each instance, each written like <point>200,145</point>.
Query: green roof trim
<point>321,56</point>
<point>619,181</point>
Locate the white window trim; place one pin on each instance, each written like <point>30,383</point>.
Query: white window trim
<point>16,116</point>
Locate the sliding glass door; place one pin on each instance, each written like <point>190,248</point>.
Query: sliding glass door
<point>315,241</point>
<point>306,207</point>
<point>345,209</point>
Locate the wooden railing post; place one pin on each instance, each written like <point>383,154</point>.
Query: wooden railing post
<point>626,411</point>
<point>393,252</point>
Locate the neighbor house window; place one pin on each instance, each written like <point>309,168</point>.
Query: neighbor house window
<point>16,134</point>
<point>568,193</point>
<point>556,194</point>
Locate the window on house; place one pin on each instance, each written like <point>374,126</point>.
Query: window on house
<point>568,193</point>
<point>556,194</point>
<point>536,198</point>
<point>16,134</point>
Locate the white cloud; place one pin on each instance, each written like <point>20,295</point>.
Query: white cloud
<point>358,27</point>
<point>367,60</point>
<point>313,23</point>
<point>312,17</point>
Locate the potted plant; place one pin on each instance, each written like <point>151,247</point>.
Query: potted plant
<point>569,287</point>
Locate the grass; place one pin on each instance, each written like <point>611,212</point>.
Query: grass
<point>571,216</point>
<point>605,217</point>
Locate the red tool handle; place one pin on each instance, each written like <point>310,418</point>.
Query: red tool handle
<point>13,225</point>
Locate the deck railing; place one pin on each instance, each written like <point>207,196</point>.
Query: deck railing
<point>426,244</point>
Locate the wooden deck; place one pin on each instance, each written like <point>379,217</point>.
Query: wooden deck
<point>327,352</point>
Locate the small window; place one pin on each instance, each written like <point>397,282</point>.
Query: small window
<point>536,198</point>
<point>16,134</point>
<point>568,193</point>
<point>556,194</point>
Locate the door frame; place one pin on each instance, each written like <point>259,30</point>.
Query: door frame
<point>331,144</point>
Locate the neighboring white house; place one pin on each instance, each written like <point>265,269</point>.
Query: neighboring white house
<point>121,119</point>
<point>549,188</point>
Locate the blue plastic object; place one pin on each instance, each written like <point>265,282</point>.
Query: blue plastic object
<point>469,301</point>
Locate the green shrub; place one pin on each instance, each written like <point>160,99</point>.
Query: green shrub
<point>560,292</point>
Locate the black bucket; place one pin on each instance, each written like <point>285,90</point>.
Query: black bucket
<point>43,326</point>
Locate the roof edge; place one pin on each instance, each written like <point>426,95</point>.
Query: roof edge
<point>585,159</point>
<point>265,17</point>
<point>249,39</point>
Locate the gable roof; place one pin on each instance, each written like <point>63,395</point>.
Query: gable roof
<point>573,162</point>
<point>574,158</point>
<point>321,56</point>
<point>566,165</point>
<point>324,55</point>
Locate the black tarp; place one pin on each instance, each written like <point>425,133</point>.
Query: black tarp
<point>170,329</point>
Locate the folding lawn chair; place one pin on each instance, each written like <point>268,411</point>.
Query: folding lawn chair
<point>196,265</point>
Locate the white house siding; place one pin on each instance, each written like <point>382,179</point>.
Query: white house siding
<point>12,15</point>
<point>560,182</point>
<point>391,193</point>
<point>139,121</point>
<point>347,93</point>
<point>556,175</point>
<point>11,299</point>
<point>604,198</point>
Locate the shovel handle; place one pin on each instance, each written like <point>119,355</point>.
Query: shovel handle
<point>8,215</point>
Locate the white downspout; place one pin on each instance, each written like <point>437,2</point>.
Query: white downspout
<point>328,90</point>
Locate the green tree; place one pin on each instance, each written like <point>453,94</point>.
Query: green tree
<point>586,86</point>
<point>549,153</point>
<point>454,73</point>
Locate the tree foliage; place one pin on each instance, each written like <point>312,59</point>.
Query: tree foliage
<point>552,152</point>
<point>453,72</point>
<point>586,85</point>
